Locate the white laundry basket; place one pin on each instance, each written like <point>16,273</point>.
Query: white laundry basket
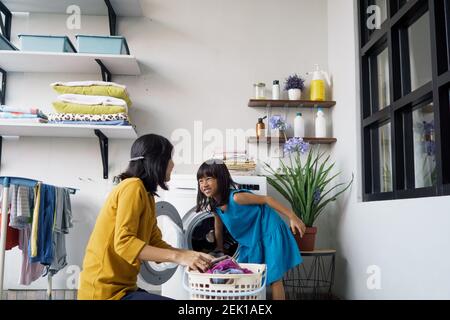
<point>238,287</point>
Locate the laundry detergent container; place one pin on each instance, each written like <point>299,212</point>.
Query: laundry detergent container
<point>46,43</point>
<point>5,44</point>
<point>102,44</point>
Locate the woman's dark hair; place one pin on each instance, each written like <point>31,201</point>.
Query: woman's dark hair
<point>154,153</point>
<point>217,170</point>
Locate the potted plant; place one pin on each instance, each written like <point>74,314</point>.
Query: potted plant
<point>278,126</point>
<point>294,85</point>
<point>306,185</point>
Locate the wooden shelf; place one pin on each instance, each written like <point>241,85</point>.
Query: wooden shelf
<point>254,103</point>
<point>21,61</point>
<point>65,130</point>
<point>311,140</point>
<point>123,8</point>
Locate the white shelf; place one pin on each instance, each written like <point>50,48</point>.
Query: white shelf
<point>65,130</point>
<point>123,8</point>
<point>21,61</point>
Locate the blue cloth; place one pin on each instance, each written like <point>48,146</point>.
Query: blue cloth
<point>140,294</point>
<point>228,271</point>
<point>45,225</point>
<point>263,237</point>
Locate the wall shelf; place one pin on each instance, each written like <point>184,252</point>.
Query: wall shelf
<point>281,140</point>
<point>21,61</point>
<point>123,8</point>
<point>103,133</point>
<point>255,103</point>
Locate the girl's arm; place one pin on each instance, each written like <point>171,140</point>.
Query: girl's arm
<point>245,198</point>
<point>218,232</point>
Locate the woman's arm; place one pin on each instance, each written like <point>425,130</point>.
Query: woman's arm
<point>245,198</point>
<point>192,259</point>
<point>218,232</point>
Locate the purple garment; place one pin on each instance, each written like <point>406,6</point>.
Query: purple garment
<point>30,271</point>
<point>223,266</point>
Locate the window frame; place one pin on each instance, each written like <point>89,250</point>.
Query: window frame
<point>393,35</point>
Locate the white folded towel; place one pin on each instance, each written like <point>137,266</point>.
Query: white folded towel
<point>87,84</point>
<point>92,100</point>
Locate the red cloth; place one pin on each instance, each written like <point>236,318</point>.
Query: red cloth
<point>12,235</point>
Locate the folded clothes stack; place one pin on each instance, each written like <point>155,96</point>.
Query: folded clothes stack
<point>237,162</point>
<point>10,114</point>
<point>91,102</point>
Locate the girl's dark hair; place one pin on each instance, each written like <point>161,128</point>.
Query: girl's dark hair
<point>157,152</point>
<point>217,170</point>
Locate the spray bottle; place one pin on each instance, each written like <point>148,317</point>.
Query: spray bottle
<point>317,88</point>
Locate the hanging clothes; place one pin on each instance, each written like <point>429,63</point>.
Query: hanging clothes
<point>42,226</point>
<point>30,271</point>
<point>21,206</point>
<point>12,235</point>
<point>62,223</point>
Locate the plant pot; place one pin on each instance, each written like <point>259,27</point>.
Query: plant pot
<point>294,94</point>
<point>307,243</point>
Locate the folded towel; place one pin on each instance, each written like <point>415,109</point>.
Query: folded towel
<point>87,84</point>
<point>17,115</point>
<point>97,123</point>
<point>4,108</point>
<point>22,121</point>
<point>91,100</point>
<point>87,117</point>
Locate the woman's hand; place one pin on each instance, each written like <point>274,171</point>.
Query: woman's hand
<point>194,260</point>
<point>297,224</point>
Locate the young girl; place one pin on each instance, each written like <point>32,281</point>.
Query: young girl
<point>253,222</point>
<point>126,232</point>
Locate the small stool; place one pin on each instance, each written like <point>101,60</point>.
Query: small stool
<point>314,278</point>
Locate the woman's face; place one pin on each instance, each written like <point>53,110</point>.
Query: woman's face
<point>169,169</point>
<point>208,186</point>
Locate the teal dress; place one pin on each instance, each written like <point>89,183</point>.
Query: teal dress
<point>262,235</point>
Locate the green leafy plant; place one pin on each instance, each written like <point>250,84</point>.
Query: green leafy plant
<point>306,185</point>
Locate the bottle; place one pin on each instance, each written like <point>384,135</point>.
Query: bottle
<point>317,87</point>
<point>276,90</point>
<point>261,128</point>
<point>299,126</point>
<point>260,90</point>
<point>320,124</point>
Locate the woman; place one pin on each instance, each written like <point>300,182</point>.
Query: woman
<point>126,232</point>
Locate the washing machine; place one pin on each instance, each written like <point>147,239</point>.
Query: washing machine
<point>184,228</point>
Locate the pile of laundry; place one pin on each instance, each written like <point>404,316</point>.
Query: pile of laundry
<point>10,114</point>
<point>226,265</point>
<point>91,102</point>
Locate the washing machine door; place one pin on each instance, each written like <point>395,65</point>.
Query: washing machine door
<point>171,226</point>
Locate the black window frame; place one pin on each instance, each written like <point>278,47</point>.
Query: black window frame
<point>393,35</point>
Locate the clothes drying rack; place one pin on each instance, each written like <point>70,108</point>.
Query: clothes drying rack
<point>6,182</point>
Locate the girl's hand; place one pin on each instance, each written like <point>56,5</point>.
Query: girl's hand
<point>297,224</point>
<point>194,260</point>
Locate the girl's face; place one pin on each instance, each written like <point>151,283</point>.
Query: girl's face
<point>169,170</point>
<point>208,186</point>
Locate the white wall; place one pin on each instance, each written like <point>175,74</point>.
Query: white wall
<point>199,59</point>
<point>407,239</point>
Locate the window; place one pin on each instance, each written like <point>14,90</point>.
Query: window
<point>405,95</point>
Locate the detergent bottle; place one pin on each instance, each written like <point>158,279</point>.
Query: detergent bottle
<point>318,85</point>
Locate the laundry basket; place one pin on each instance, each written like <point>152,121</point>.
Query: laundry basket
<point>252,286</point>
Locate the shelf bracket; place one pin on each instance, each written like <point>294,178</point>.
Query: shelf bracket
<point>3,75</point>
<point>112,18</point>
<point>103,140</point>
<point>5,21</point>
<point>106,74</point>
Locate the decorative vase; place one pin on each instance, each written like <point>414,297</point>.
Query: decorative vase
<point>307,243</point>
<point>294,94</point>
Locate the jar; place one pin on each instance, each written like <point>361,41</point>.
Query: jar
<point>260,90</point>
